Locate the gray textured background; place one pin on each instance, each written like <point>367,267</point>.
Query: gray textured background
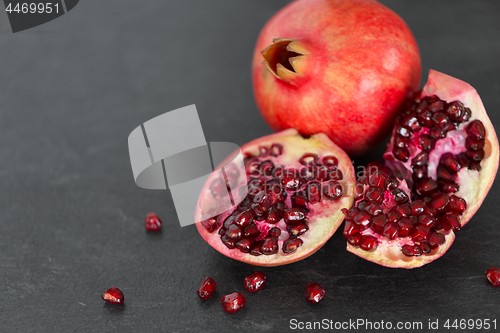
<point>71,217</point>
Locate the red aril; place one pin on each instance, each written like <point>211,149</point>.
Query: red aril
<point>152,222</point>
<point>113,295</point>
<point>444,164</point>
<point>314,293</point>
<point>207,288</point>
<point>255,282</point>
<point>232,303</point>
<point>291,210</point>
<point>339,67</point>
<point>493,276</point>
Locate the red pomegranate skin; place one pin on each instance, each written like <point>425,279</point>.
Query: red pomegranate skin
<point>362,61</point>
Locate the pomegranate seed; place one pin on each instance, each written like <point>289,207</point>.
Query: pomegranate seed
<point>425,118</point>
<point>455,110</point>
<point>378,223</point>
<point>263,151</point>
<point>436,239</point>
<point>358,190</point>
<point>373,208</point>
<point>417,207</point>
<point>314,192</point>
<point>401,154</point>
<point>243,219</point>
<point>411,123</point>
<point>350,228</point>
<point>422,106</point>
<point>473,144</point>
<point>476,130</point>
<point>400,197</point>
<point>314,293</point>
<point>475,155</point>
<point>333,190</point>
<point>297,229</point>
<point>270,246</point>
<point>457,205</point>
<point>436,106</point>
<point>403,210</point>
<point>426,186</point>
<point>419,173</point>
<point>153,223</point>
<point>255,282</point>
<point>299,199</point>
<point>463,160</point>
<point>355,239</point>
<point>291,245</point>
<point>426,220</point>
<point>419,233</point>
<point>308,158</point>
<point>391,230</point>
<point>393,216</point>
<point>218,188</point>
<point>245,245</point>
<point>251,231</point>
<point>368,243</point>
<point>229,243</point>
<point>278,171</point>
<point>363,220</point>
<point>493,275</point>
<point>276,150</point>
<point>393,184</point>
<point>207,288</point>
<point>437,133</point>
<point>274,215</point>
<point>448,186</point>
<point>425,247</point>
<point>113,295</point>
<point>426,143</point>
<point>274,232</point>
<point>233,302</point>
<point>257,248</point>
<point>441,120</point>
<point>294,215</point>
<point>374,194</point>
<point>209,224</point>
<point>443,173</point>
<point>400,142</point>
<point>234,232</point>
<point>450,162</point>
<point>404,132</point>
<point>420,159</point>
<point>451,221</point>
<point>405,225</point>
<point>475,166</point>
<point>266,168</point>
<point>411,250</point>
<point>440,201</point>
<point>330,161</point>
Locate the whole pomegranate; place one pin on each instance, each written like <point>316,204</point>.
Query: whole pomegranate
<point>296,190</point>
<point>439,166</point>
<point>341,67</point>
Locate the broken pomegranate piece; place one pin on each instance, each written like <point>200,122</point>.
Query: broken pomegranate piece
<point>296,189</point>
<point>443,156</point>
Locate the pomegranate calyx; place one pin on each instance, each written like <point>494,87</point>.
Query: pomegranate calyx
<point>284,59</point>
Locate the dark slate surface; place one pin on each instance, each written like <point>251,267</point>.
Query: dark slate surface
<point>71,217</point>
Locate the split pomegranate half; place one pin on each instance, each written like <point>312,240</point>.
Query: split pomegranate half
<point>439,166</point>
<point>296,189</point>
